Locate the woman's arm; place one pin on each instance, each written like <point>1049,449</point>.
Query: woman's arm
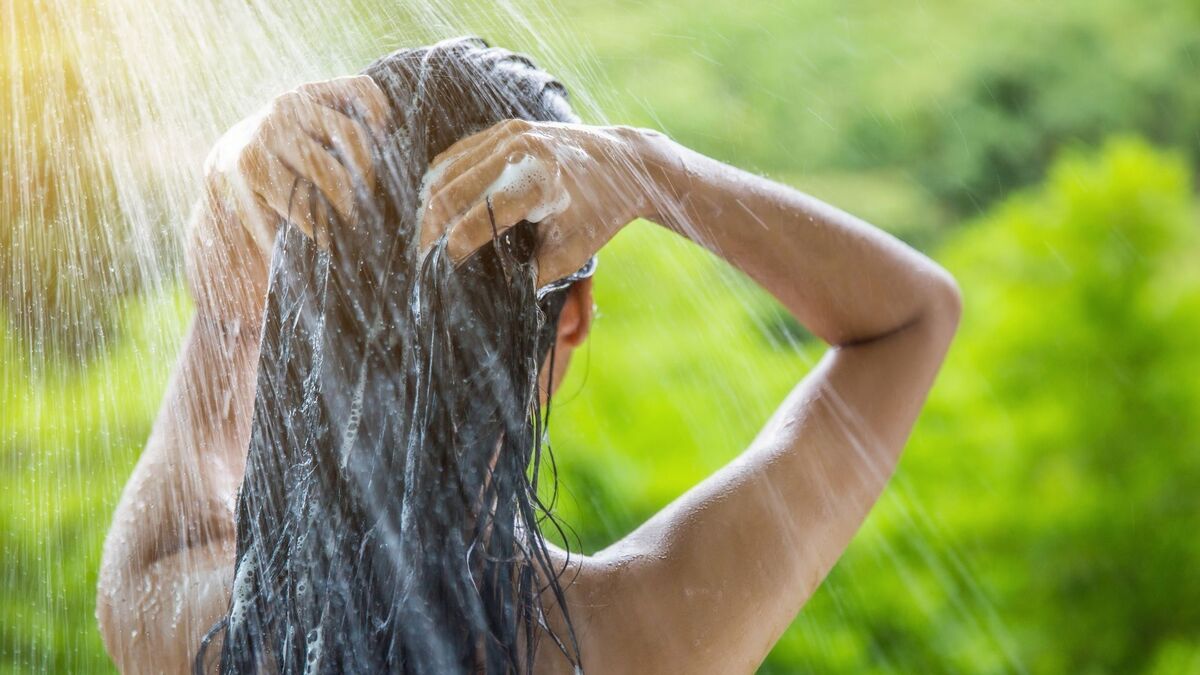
<point>166,569</point>
<point>168,558</point>
<point>844,280</point>
<point>727,566</point>
<point>710,583</point>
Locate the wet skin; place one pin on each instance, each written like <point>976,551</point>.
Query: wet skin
<point>709,583</point>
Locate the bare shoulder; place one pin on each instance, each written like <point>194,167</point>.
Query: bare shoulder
<point>710,582</point>
<point>601,592</point>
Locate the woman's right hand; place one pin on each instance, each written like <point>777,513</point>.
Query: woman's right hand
<point>306,151</point>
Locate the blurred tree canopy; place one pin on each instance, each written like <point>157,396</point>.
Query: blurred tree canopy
<point>1067,415</point>
<point>1043,519</point>
<point>64,258</point>
<point>935,110</point>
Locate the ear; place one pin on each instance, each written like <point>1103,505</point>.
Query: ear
<point>575,320</point>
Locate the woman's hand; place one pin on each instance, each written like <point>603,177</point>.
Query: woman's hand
<point>580,184</point>
<point>302,154</point>
<point>315,137</point>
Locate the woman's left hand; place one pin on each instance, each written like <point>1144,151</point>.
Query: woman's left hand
<point>580,184</point>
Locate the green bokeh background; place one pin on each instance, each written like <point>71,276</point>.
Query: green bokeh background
<point>1044,518</point>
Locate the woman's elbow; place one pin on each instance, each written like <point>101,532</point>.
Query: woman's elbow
<point>945,306</point>
<point>114,615</point>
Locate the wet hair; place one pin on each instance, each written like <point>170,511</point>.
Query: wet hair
<point>374,533</point>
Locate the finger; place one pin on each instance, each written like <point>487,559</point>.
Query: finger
<point>457,165</point>
<point>259,221</point>
<point>309,160</point>
<point>560,256</point>
<point>455,198</point>
<point>472,149</point>
<point>279,188</point>
<point>358,96</point>
<point>345,136</point>
<point>317,210</point>
<point>234,190</point>
<point>451,156</point>
<point>448,166</point>
<point>353,94</point>
<point>260,217</point>
<point>479,226</point>
<point>486,136</point>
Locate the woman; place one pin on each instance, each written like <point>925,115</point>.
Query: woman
<point>705,586</point>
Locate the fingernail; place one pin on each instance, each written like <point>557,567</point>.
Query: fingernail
<point>457,251</point>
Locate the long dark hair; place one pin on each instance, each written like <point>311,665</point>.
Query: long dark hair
<point>389,518</point>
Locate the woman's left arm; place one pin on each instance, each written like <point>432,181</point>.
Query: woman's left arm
<point>710,582</point>
<point>726,567</point>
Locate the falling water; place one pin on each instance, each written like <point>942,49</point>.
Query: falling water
<point>107,112</point>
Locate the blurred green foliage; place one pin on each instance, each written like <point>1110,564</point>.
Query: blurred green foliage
<point>1067,412</point>
<point>68,440</point>
<point>1044,517</point>
<point>934,109</point>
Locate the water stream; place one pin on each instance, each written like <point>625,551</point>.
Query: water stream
<point>107,111</point>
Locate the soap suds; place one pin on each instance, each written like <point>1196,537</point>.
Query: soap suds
<point>432,174</point>
<point>521,172</point>
<point>525,173</point>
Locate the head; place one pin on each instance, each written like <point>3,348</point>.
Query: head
<point>389,518</point>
